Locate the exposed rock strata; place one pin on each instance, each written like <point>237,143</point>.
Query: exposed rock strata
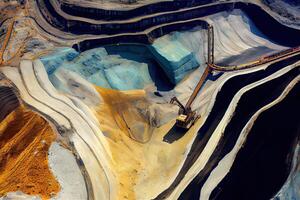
<point>122,143</point>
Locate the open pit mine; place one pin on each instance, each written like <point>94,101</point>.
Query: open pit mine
<point>149,99</point>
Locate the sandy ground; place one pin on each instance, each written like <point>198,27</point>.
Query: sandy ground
<point>141,166</point>
<point>138,166</point>
<point>131,158</point>
<point>125,108</point>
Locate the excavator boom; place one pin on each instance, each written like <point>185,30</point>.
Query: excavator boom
<point>187,117</point>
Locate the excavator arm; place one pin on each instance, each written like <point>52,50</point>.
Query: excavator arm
<point>187,117</point>
<point>175,101</point>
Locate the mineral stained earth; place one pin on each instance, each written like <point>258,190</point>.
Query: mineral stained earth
<point>150,99</point>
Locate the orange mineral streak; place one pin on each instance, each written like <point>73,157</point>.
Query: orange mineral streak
<point>25,138</point>
<point>6,40</point>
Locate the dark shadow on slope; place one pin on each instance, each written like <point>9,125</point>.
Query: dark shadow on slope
<point>249,103</point>
<point>175,133</point>
<point>263,165</point>
<point>223,99</point>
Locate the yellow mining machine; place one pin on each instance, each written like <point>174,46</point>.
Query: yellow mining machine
<point>186,116</point>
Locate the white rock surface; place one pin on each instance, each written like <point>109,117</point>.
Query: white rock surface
<point>64,167</point>
<point>19,196</point>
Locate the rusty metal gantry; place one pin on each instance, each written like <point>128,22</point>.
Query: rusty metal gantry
<point>186,116</point>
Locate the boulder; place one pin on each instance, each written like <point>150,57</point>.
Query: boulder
<point>175,59</point>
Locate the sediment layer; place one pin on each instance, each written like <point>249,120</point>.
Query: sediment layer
<point>145,29</point>
<point>25,138</point>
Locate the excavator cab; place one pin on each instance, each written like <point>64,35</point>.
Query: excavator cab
<point>186,117</point>
<point>186,121</point>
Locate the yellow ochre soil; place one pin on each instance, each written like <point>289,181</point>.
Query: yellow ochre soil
<point>123,111</point>
<point>140,167</point>
<point>118,106</point>
<point>25,138</point>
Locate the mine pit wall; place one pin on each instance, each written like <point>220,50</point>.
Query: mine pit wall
<point>283,134</point>
<point>81,27</point>
<point>223,99</point>
<point>147,38</point>
<point>250,102</point>
<point>8,101</point>
<point>102,14</point>
<point>274,30</point>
